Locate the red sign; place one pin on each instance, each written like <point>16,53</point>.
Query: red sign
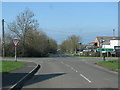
<point>15,42</point>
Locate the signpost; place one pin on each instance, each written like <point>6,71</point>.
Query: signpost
<point>15,42</point>
<point>104,50</point>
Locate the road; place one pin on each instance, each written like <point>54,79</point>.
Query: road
<point>71,72</point>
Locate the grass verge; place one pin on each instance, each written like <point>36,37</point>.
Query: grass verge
<point>8,66</point>
<point>83,56</point>
<point>112,64</point>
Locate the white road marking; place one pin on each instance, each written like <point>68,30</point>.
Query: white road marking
<point>85,78</point>
<point>72,68</point>
<point>76,71</point>
<point>67,65</point>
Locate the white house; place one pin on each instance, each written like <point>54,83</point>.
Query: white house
<point>113,43</point>
<point>110,43</point>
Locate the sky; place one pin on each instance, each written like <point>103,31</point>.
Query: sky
<point>62,19</point>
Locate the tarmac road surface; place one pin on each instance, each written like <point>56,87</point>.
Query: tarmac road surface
<point>71,72</point>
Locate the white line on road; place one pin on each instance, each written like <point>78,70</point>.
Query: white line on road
<point>67,65</point>
<point>85,78</point>
<point>72,68</point>
<point>76,71</point>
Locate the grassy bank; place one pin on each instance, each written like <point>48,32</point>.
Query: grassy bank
<point>112,64</point>
<point>83,56</point>
<point>8,66</point>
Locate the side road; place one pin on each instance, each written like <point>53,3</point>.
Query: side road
<point>16,78</point>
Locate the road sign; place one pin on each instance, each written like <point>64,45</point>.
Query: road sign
<point>105,49</point>
<point>15,42</point>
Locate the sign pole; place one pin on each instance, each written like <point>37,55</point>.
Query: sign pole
<point>15,42</point>
<point>16,54</point>
<point>101,54</point>
<point>103,58</point>
<point>104,55</point>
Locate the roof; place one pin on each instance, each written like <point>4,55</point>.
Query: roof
<point>92,42</point>
<point>105,40</point>
<point>108,37</point>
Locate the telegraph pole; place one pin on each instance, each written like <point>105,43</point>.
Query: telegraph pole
<point>113,33</point>
<point>3,39</point>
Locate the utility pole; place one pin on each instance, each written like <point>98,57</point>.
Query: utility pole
<point>113,33</point>
<point>3,39</point>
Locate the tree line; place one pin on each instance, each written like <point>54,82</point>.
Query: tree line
<point>71,45</point>
<point>33,41</point>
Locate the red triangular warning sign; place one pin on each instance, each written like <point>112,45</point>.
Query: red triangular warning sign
<point>15,42</point>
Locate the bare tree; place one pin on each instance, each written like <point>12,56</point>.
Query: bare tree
<point>71,44</point>
<point>34,42</point>
<point>74,42</point>
<point>23,24</point>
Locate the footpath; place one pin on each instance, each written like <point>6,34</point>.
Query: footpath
<point>15,79</point>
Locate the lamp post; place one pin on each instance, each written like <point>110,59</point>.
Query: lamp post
<point>114,33</point>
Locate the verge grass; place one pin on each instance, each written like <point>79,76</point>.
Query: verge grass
<point>8,66</point>
<point>112,64</point>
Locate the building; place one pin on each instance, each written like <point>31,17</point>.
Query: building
<point>100,41</point>
<point>114,43</point>
<point>108,43</point>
